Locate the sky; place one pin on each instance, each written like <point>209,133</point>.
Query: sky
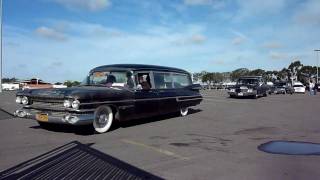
<point>58,40</point>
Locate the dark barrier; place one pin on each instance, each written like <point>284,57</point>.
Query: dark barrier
<point>75,161</point>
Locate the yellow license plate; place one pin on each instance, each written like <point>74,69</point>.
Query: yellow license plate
<point>42,117</point>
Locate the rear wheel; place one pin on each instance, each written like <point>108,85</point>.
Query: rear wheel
<point>184,111</point>
<point>103,118</point>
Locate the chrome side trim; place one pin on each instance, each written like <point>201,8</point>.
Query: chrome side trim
<point>147,99</point>
<point>193,99</point>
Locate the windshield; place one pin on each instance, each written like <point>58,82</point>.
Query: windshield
<point>280,84</point>
<point>298,86</point>
<point>248,81</point>
<point>109,79</point>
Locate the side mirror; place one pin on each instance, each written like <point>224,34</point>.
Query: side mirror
<point>194,87</point>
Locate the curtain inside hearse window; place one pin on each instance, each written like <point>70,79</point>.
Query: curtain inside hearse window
<point>163,80</point>
<point>180,80</point>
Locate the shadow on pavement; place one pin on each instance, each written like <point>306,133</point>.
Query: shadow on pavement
<point>5,115</point>
<point>75,161</point>
<point>88,129</point>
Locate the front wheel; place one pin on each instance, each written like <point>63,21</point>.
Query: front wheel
<point>103,118</point>
<point>184,111</point>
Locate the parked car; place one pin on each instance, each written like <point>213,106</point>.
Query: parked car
<point>249,86</point>
<point>282,88</point>
<point>110,93</point>
<point>10,86</point>
<point>299,87</point>
<point>318,87</point>
<point>35,83</point>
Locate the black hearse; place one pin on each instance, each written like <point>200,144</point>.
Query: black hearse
<point>249,86</point>
<point>113,92</point>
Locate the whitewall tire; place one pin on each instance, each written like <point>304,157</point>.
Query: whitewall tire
<point>184,111</point>
<point>103,118</point>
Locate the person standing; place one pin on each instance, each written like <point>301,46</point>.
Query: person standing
<point>315,89</point>
<point>311,86</point>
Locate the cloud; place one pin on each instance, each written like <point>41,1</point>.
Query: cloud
<point>308,13</point>
<point>238,40</point>
<point>56,64</point>
<point>272,45</point>
<point>50,33</point>
<point>85,50</point>
<point>194,39</point>
<point>278,55</point>
<point>217,4</point>
<point>89,5</point>
<point>198,38</point>
<point>218,62</point>
<point>254,8</point>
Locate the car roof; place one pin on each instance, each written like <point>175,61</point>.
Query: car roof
<point>137,67</point>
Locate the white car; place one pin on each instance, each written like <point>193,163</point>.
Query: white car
<point>10,86</point>
<point>299,88</point>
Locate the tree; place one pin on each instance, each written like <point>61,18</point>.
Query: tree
<point>71,83</point>
<point>9,80</point>
<point>306,72</point>
<point>257,72</point>
<point>236,74</point>
<point>293,70</point>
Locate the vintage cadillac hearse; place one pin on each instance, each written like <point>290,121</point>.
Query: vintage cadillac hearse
<point>113,92</point>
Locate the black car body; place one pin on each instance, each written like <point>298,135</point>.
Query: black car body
<point>113,92</point>
<point>249,86</point>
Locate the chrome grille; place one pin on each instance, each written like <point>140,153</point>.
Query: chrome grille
<point>241,90</point>
<point>51,113</point>
<point>48,105</point>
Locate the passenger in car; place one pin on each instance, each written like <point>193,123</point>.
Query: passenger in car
<point>110,80</point>
<point>143,83</point>
<point>130,82</point>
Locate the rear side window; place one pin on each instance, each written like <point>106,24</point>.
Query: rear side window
<point>180,80</point>
<point>163,80</point>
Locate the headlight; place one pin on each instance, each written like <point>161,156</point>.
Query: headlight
<point>18,100</point>
<point>232,90</point>
<point>25,100</point>
<point>250,90</point>
<point>75,104</point>
<point>67,103</point>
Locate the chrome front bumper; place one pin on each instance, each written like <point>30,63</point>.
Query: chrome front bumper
<point>60,118</point>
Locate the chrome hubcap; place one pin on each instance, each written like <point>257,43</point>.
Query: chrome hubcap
<point>103,119</point>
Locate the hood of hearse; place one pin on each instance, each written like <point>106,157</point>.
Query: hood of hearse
<point>80,92</point>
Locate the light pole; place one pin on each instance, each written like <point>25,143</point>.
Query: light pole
<point>1,46</point>
<point>317,51</point>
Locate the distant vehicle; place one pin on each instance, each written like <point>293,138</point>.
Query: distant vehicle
<point>318,87</point>
<point>282,88</point>
<point>59,86</point>
<point>249,86</point>
<point>299,87</point>
<point>10,86</point>
<point>113,93</point>
<point>35,83</point>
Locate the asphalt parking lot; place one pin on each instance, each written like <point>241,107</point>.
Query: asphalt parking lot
<point>218,140</point>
